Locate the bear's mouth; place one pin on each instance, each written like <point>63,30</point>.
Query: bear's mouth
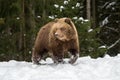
<point>62,38</point>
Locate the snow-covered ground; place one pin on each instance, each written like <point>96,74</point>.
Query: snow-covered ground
<point>107,68</point>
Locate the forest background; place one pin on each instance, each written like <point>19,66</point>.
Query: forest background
<point>97,23</point>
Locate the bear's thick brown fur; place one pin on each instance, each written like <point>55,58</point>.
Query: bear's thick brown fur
<point>57,38</point>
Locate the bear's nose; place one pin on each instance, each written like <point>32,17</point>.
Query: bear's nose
<point>56,34</point>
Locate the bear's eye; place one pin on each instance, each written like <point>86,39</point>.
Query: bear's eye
<point>62,29</point>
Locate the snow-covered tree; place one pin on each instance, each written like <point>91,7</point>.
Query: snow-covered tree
<point>109,18</point>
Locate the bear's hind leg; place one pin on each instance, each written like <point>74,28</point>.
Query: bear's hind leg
<point>57,58</point>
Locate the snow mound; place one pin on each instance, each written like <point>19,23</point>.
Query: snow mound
<point>107,68</point>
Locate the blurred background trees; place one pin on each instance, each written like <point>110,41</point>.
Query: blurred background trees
<point>97,22</point>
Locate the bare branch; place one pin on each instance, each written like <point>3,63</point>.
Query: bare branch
<point>114,44</point>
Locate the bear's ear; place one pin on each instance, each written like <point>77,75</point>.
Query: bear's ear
<point>56,20</point>
<point>68,20</point>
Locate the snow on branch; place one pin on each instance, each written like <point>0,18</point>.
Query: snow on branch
<point>105,21</point>
<point>112,29</point>
<point>114,44</point>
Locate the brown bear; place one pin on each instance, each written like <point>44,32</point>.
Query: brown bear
<point>57,38</point>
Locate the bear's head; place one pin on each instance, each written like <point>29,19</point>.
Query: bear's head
<point>69,22</point>
<point>62,31</point>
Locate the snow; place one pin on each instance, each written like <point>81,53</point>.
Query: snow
<point>18,18</point>
<point>86,20</point>
<point>75,18</point>
<point>90,30</point>
<point>77,4</point>
<point>81,18</point>
<point>65,2</point>
<point>107,68</point>
<point>61,8</point>
<point>110,4</point>
<point>105,21</point>
<point>73,7</point>
<point>30,52</point>
<point>56,6</point>
<point>38,16</point>
<point>102,46</point>
<point>51,17</point>
<point>24,34</point>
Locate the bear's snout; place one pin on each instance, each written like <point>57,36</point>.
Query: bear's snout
<point>59,35</point>
<point>56,34</point>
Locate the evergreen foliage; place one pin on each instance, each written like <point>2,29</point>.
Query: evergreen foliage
<point>20,20</point>
<point>109,19</point>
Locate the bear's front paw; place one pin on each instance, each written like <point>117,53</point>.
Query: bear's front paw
<point>73,59</point>
<point>35,60</point>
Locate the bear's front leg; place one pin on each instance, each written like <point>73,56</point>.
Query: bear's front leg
<point>58,57</point>
<point>74,55</point>
<point>35,60</point>
<point>35,57</point>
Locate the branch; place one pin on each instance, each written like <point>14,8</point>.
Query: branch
<point>114,44</point>
<point>112,29</point>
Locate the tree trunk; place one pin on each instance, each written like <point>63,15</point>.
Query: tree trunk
<point>22,44</point>
<point>44,11</point>
<point>32,21</point>
<point>94,14</point>
<point>88,9</point>
<point>30,24</point>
